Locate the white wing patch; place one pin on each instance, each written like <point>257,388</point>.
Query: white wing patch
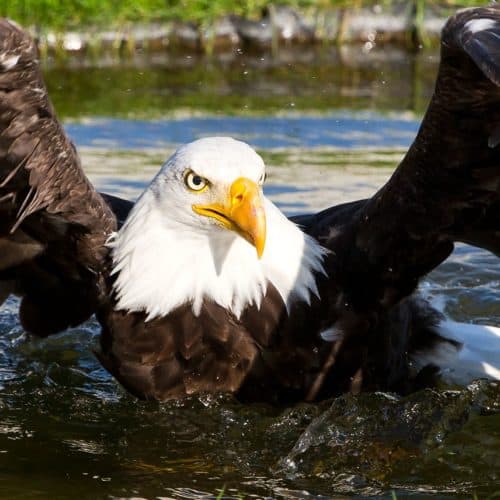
<point>477,354</point>
<point>476,25</point>
<point>8,61</point>
<point>332,334</point>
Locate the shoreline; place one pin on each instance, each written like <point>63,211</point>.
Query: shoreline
<point>409,25</point>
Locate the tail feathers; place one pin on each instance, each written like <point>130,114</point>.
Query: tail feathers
<point>463,352</point>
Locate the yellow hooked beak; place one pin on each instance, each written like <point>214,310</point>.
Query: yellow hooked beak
<point>242,211</point>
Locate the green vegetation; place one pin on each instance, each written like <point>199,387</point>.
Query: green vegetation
<point>71,14</point>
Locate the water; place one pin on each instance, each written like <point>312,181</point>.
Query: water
<point>311,81</point>
<point>68,430</point>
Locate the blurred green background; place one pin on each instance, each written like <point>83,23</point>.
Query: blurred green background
<point>64,14</point>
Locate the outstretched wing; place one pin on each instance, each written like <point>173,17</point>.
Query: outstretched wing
<point>53,224</point>
<point>447,187</point>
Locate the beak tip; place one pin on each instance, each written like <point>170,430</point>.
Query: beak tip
<point>260,238</point>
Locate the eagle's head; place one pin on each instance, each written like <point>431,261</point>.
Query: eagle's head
<point>203,230</point>
<point>214,185</point>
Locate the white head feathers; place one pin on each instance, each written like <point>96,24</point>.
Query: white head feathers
<point>167,255</point>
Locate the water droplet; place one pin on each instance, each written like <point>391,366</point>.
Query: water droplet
<point>368,46</point>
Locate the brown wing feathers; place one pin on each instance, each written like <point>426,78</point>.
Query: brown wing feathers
<point>53,224</point>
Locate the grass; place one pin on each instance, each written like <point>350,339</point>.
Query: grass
<point>73,14</point>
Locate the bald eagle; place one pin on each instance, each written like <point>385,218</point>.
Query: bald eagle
<point>204,285</point>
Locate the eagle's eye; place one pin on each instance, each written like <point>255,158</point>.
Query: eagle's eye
<point>262,178</point>
<point>194,181</point>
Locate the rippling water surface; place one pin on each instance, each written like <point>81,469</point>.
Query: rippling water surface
<point>68,430</point>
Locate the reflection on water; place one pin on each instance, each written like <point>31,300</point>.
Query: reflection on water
<point>315,81</point>
<point>68,430</point>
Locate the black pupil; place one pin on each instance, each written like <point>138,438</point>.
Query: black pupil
<point>197,180</point>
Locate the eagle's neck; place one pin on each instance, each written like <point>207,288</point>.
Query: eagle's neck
<point>161,264</point>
